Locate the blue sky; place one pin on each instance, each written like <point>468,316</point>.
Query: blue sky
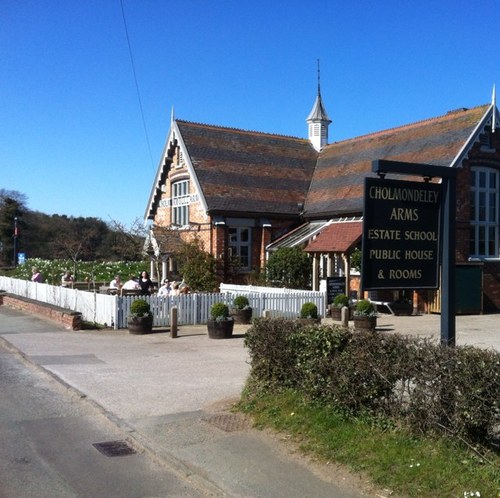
<point>72,137</point>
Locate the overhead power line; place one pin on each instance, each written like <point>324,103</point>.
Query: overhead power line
<point>136,84</point>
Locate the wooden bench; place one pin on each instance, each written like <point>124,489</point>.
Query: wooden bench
<point>130,292</point>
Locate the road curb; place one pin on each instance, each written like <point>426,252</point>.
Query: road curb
<point>139,442</point>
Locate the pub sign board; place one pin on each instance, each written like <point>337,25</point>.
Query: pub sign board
<point>401,234</point>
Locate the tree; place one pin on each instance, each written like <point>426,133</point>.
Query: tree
<point>289,267</point>
<point>197,266</point>
<point>126,243</point>
<point>12,205</point>
<point>356,259</point>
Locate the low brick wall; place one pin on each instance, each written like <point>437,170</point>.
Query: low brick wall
<point>71,320</point>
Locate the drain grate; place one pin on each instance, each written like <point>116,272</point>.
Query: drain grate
<point>229,422</point>
<point>114,448</point>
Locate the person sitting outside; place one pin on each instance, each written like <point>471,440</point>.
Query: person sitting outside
<point>116,283</point>
<point>164,290</point>
<point>130,284</point>
<point>175,288</point>
<point>36,275</point>
<point>67,279</point>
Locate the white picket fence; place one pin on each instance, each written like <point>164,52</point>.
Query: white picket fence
<point>95,308</point>
<point>192,309</point>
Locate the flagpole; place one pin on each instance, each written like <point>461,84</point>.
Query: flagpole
<point>15,241</point>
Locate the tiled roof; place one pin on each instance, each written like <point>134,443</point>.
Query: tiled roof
<point>337,184</point>
<point>249,172</point>
<point>336,237</point>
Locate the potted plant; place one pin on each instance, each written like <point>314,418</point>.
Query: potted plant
<point>339,301</point>
<point>309,313</point>
<point>241,311</point>
<point>220,324</point>
<point>140,320</point>
<point>365,315</point>
<point>402,306</point>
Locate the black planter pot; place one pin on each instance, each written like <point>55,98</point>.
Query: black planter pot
<point>140,324</point>
<point>400,309</point>
<point>242,316</point>
<point>222,329</point>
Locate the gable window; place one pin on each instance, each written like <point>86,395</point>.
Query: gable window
<point>239,246</point>
<point>180,203</point>
<point>484,210</point>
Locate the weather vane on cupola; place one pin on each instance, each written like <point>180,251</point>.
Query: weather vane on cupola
<point>318,120</point>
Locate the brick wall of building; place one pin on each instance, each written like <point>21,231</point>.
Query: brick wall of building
<point>487,157</point>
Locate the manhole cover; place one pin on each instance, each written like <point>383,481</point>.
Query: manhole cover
<point>115,448</point>
<point>229,422</point>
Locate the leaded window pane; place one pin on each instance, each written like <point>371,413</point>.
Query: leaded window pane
<point>492,235</point>
<point>482,179</point>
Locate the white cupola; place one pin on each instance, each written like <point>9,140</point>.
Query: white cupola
<point>318,122</point>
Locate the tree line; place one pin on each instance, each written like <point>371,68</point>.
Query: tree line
<point>62,237</point>
<point>39,235</point>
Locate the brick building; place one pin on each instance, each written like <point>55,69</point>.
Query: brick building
<point>243,193</point>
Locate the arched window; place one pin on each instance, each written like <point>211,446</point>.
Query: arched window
<point>484,211</point>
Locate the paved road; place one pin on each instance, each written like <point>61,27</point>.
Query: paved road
<point>475,330</point>
<point>171,396</point>
<point>47,437</point>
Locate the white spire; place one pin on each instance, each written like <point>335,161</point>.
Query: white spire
<point>494,109</point>
<point>318,121</point>
<point>172,117</point>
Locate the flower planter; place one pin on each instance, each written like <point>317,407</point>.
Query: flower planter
<point>140,324</point>
<point>336,313</point>
<point>220,329</point>
<point>365,323</point>
<point>401,308</point>
<point>243,316</point>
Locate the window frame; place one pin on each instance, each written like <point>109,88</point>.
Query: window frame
<point>484,212</point>
<point>235,246</point>
<point>180,196</point>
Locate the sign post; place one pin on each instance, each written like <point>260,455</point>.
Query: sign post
<point>408,230</point>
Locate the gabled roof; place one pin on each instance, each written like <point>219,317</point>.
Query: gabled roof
<point>248,172</point>
<point>337,185</point>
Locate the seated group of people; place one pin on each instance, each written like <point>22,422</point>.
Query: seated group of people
<point>145,286</point>
<point>173,288</point>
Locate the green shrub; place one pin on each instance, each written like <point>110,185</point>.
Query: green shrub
<point>365,308</point>
<point>140,307</point>
<point>241,302</point>
<point>340,300</point>
<point>425,386</point>
<point>289,267</point>
<point>309,310</point>
<point>219,311</point>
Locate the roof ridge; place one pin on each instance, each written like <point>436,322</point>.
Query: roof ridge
<point>242,130</point>
<point>415,123</point>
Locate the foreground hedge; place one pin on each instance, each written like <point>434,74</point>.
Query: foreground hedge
<point>429,386</point>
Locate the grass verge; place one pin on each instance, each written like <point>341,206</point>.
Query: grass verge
<point>390,456</point>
